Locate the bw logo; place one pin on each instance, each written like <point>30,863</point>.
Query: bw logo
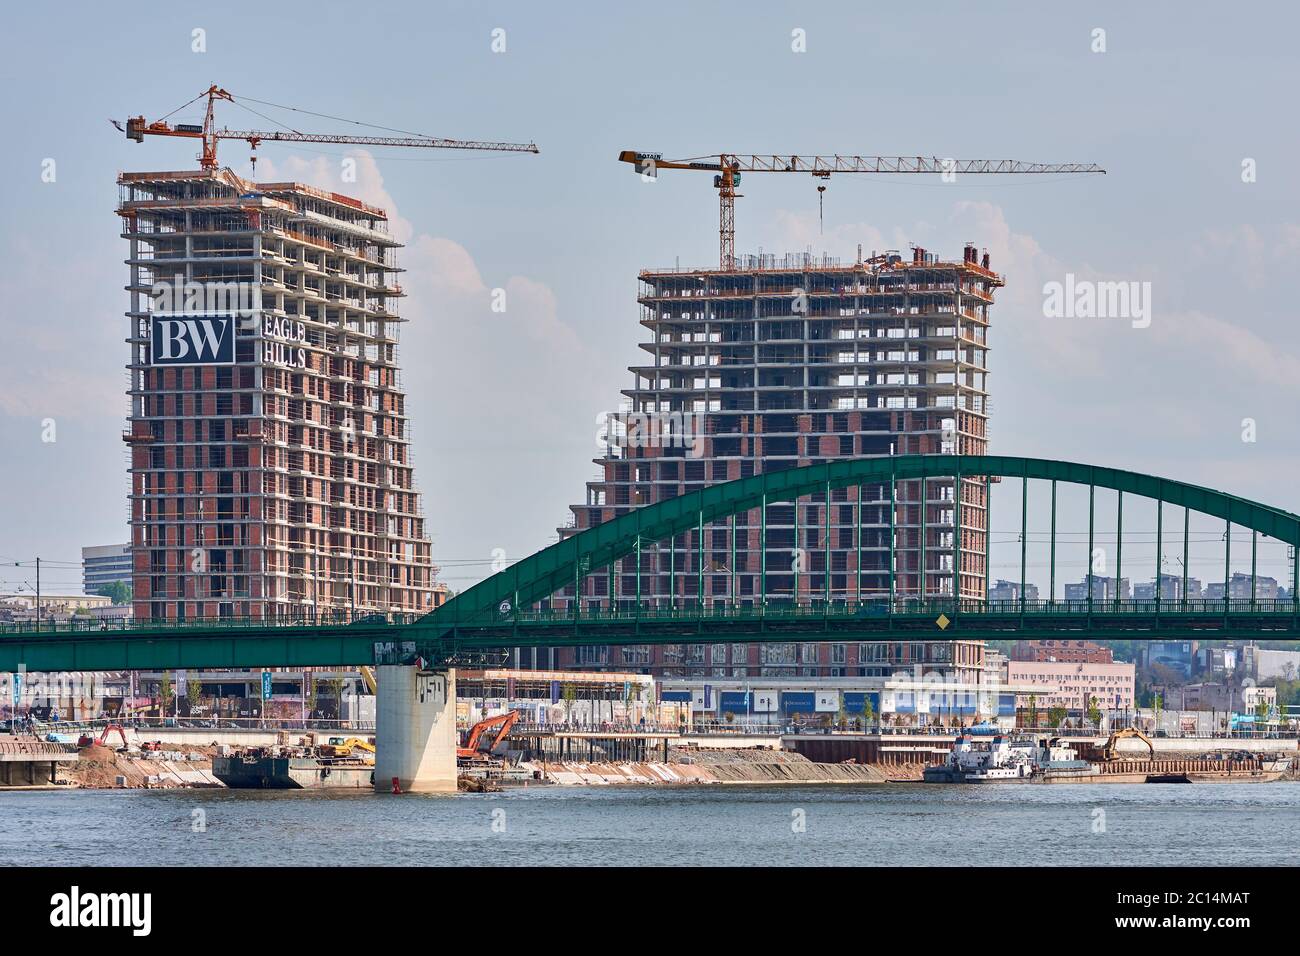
<point>190,341</point>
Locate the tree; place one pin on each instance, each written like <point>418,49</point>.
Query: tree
<point>311,692</point>
<point>569,695</point>
<point>868,711</point>
<point>1055,716</point>
<point>336,685</point>
<point>1033,710</point>
<point>119,591</point>
<point>165,695</point>
<point>193,691</point>
<point>630,697</point>
<point>1094,712</point>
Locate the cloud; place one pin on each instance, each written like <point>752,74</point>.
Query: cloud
<point>500,392</point>
<point>1165,399</point>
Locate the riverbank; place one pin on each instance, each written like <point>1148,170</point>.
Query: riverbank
<point>102,768</point>
<point>696,766</point>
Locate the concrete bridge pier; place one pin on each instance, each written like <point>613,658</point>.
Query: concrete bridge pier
<point>415,730</point>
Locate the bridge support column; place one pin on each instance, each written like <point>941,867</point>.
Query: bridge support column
<point>415,730</point>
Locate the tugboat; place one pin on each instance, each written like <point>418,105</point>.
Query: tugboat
<point>1004,760</point>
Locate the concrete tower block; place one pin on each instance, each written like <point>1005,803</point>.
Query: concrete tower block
<point>415,730</point>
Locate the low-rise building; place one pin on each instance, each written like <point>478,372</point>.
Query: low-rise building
<point>1073,685</point>
<point>1089,652</point>
<point>1169,658</point>
<point>1222,697</point>
<point>1217,661</point>
<point>1260,663</point>
<point>900,700</point>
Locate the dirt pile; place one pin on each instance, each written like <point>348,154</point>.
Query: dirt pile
<point>102,768</point>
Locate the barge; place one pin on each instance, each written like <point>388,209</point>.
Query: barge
<point>284,768</point>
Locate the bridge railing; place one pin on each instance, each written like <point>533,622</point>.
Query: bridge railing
<point>910,609</point>
<point>81,625</point>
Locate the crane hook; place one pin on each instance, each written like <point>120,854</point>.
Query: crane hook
<point>821,214</point>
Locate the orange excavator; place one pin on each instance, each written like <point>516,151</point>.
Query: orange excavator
<point>85,740</point>
<point>502,723</point>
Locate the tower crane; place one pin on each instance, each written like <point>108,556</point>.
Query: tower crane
<point>728,168</point>
<point>137,129</point>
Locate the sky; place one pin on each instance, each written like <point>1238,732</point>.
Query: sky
<point>1190,111</point>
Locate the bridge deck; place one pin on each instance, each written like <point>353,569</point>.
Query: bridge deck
<point>150,645</point>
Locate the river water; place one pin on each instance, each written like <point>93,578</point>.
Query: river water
<point>884,825</point>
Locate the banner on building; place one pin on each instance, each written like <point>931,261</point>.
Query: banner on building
<point>192,340</point>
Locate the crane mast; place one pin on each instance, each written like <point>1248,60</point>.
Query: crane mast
<point>728,168</point>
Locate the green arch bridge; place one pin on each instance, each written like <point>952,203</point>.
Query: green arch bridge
<point>503,610</point>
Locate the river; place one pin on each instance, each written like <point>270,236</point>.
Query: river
<point>885,825</point>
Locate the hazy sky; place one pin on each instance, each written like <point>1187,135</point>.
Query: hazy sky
<point>504,404</point>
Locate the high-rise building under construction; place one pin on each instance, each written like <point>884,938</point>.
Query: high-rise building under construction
<point>269,451</point>
<point>778,363</point>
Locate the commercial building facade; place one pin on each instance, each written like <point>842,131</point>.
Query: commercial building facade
<point>1073,685</point>
<point>270,459</point>
<point>899,701</point>
<point>102,565</point>
<point>1063,652</point>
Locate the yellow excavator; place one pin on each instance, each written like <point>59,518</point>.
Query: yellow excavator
<point>343,747</point>
<point>1111,752</point>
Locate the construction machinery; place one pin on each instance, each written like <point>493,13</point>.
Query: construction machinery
<point>1111,751</point>
<point>502,723</point>
<point>728,168</point>
<point>137,128</point>
<point>343,747</point>
<point>85,740</point>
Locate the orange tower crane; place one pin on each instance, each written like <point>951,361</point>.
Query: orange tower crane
<point>137,129</point>
<point>728,168</point>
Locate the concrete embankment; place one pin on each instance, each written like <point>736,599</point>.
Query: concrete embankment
<point>753,767</point>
